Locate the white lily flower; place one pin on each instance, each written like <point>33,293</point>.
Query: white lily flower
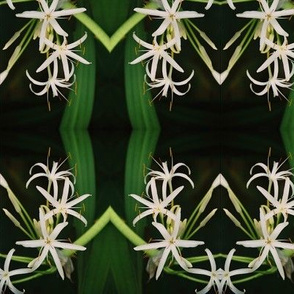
<point>65,53</point>
<point>52,83</point>
<point>6,274</point>
<point>10,4</point>
<point>166,175</point>
<point>154,206</point>
<point>284,52</point>
<point>156,52</point>
<point>53,175</point>
<point>282,205</point>
<point>171,16</point>
<point>269,244</point>
<point>273,83</point>
<point>64,206</point>
<point>268,16</point>
<point>48,16</point>
<point>170,243</point>
<point>273,175</point>
<point>226,274</point>
<point>214,274</point>
<point>49,243</point>
<point>167,83</point>
<point>221,278</point>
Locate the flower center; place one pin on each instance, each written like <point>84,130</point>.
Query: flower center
<point>48,241</point>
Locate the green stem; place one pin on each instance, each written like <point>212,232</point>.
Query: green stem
<point>244,215</point>
<point>23,44</point>
<point>49,271</point>
<point>21,259</point>
<point>245,42</point>
<point>110,42</point>
<point>128,25</point>
<point>19,208</point>
<point>124,229</point>
<point>197,45</point>
<point>196,214</point>
<point>257,275</point>
<point>90,24</point>
<point>109,216</point>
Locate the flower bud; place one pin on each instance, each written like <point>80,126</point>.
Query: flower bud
<point>207,218</point>
<point>12,218</point>
<point>232,218</point>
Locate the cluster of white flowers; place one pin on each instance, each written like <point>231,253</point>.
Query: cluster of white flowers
<point>53,43</point>
<point>52,220</point>
<point>264,233</point>
<point>170,34</point>
<point>270,224</point>
<point>171,227</point>
<point>274,43</point>
<point>167,220</point>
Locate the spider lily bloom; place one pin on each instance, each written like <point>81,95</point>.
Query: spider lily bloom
<point>269,244</point>
<point>10,4</point>
<point>47,17</point>
<point>167,83</point>
<point>273,175</point>
<point>154,205</point>
<point>283,205</point>
<point>274,83</point>
<point>52,175</point>
<point>214,274</point>
<point>156,52</point>
<point>284,52</point>
<point>268,17</point>
<point>64,206</point>
<point>52,83</point>
<point>171,18</point>
<point>170,243</point>
<point>65,53</point>
<point>226,274</point>
<point>166,176</point>
<point>5,275</point>
<point>220,279</point>
<point>49,243</point>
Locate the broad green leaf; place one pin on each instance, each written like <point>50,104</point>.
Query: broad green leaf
<point>288,118</point>
<point>141,111</point>
<point>141,146</point>
<point>110,16</point>
<point>78,113</point>
<point>123,268</point>
<point>110,265</point>
<point>81,157</point>
<point>79,147</point>
<point>94,271</point>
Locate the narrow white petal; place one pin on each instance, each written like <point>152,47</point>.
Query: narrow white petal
<point>188,14</point>
<point>151,246</point>
<point>57,262</point>
<point>31,14</point>
<point>152,12</point>
<point>57,230</point>
<point>162,262</point>
<point>67,12</point>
